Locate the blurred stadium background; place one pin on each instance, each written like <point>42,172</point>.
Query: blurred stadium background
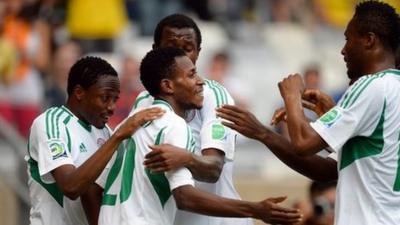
<point>248,46</point>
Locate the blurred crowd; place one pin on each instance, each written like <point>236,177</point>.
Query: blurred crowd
<point>41,39</point>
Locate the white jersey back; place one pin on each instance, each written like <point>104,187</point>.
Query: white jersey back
<point>364,128</point>
<point>134,195</point>
<point>209,133</point>
<point>58,138</point>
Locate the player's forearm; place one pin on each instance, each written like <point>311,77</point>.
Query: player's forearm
<point>82,177</point>
<point>313,167</point>
<point>205,168</point>
<point>300,131</point>
<point>190,199</point>
<point>91,202</point>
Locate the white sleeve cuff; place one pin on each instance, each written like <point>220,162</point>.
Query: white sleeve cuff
<point>321,130</point>
<point>45,173</point>
<point>179,177</point>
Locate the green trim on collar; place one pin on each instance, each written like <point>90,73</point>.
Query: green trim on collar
<point>162,102</point>
<point>85,125</point>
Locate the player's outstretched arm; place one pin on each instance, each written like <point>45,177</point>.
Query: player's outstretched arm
<point>243,121</point>
<point>165,157</point>
<point>191,199</point>
<point>74,181</point>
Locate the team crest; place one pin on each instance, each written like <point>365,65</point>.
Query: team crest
<point>330,117</point>
<point>57,149</point>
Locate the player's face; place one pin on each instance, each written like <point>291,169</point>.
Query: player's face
<point>353,51</point>
<point>188,86</point>
<point>183,38</point>
<point>98,102</point>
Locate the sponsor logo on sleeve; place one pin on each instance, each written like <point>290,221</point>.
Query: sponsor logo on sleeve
<point>329,118</point>
<point>218,132</point>
<point>57,149</point>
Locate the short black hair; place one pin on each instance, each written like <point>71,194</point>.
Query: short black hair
<point>158,64</point>
<point>87,71</point>
<point>176,21</point>
<point>381,19</point>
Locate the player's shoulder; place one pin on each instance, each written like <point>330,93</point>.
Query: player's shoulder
<point>51,122</point>
<point>378,80</point>
<point>390,76</point>
<point>52,116</point>
<point>212,84</point>
<point>144,99</point>
<point>214,91</point>
<point>367,87</point>
<point>169,120</point>
<point>173,120</point>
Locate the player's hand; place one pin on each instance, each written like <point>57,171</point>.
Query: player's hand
<point>242,121</point>
<point>270,211</point>
<point>138,119</point>
<point>280,114</point>
<point>292,85</point>
<point>166,157</point>
<point>320,102</point>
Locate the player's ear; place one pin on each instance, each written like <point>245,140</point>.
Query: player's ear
<point>78,92</point>
<point>167,86</point>
<point>369,40</point>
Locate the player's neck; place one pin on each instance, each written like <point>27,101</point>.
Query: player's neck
<point>178,109</point>
<point>381,63</point>
<point>74,108</point>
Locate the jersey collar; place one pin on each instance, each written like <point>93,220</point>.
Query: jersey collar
<point>84,124</point>
<point>394,71</point>
<point>163,103</point>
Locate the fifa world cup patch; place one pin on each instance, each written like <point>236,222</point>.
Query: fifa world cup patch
<point>57,149</point>
<point>330,117</point>
<point>218,131</point>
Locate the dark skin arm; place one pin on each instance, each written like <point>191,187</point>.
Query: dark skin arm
<point>74,181</point>
<point>91,202</point>
<point>191,199</point>
<point>314,167</point>
<point>206,168</point>
<point>305,140</point>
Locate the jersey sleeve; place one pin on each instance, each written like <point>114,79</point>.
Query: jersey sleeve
<point>48,146</point>
<point>357,114</point>
<point>180,135</point>
<point>213,134</point>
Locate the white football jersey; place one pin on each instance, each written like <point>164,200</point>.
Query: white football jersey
<point>364,129</point>
<point>134,195</point>
<point>208,133</point>
<point>58,138</point>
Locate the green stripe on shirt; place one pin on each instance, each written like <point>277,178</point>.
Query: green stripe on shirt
<point>52,188</point>
<point>158,180</point>
<point>360,147</point>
